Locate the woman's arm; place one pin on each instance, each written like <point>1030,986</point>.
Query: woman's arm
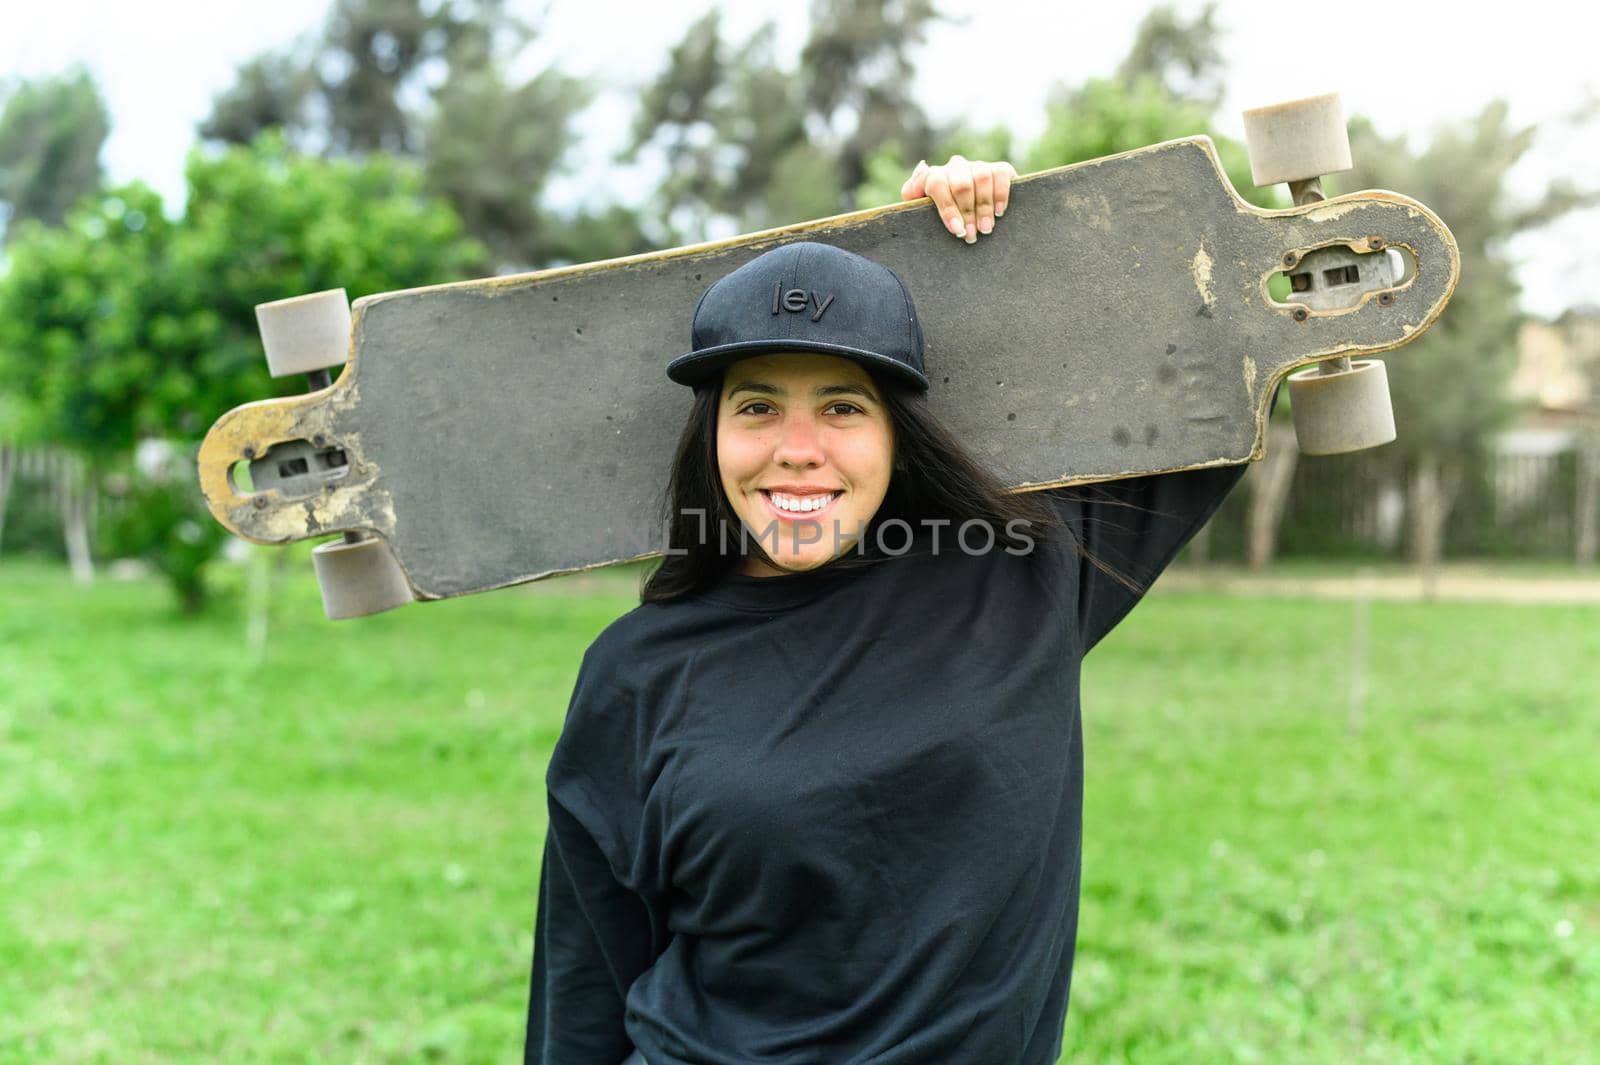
<point>597,929</point>
<point>1136,527</point>
<point>592,939</point>
<point>1130,530</point>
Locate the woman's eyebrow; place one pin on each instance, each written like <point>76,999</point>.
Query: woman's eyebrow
<point>762,388</point>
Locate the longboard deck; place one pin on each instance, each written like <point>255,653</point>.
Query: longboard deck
<point>1116,323</point>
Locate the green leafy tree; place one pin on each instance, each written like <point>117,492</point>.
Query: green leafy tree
<point>1105,116</point>
<point>372,51</point>
<point>126,325</point>
<point>51,133</point>
<point>1168,85</point>
<point>266,222</point>
<point>70,335</point>
<point>70,366</point>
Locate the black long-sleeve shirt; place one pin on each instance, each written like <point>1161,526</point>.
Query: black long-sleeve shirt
<point>835,817</point>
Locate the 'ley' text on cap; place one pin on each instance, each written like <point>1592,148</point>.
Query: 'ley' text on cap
<point>796,299</point>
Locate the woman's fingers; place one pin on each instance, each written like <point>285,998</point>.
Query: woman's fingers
<point>969,195</point>
<point>1004,173</point>
<point>983,195</point>
<point>938,190</point>
<point>963,194</point>
<point>916,185</point>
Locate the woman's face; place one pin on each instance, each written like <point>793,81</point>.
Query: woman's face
<point>805,448</point>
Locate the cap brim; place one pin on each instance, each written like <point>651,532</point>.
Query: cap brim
<point>697,367</point>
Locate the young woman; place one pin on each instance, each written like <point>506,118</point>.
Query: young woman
<point>818,798</point>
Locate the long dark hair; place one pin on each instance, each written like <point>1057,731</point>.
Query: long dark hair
<point>934,478</point>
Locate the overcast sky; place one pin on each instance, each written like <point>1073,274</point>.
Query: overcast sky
<point>1409,66</point>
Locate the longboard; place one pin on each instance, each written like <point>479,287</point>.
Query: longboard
<point>1118,322</point>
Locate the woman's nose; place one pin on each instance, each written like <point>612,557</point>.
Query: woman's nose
<point>799,443</point>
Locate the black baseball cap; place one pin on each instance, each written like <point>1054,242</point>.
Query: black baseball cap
<point>806,297</point>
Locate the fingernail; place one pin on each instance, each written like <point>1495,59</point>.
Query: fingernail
<point>953,224</point>
<point>921,164</point>
<point>985,225</point>
<point>999,209</point>
<point>972,235</point>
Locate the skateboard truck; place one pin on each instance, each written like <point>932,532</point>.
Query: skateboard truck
<point>297,469</point>
<point>1338,406</point>
<point>357,574</point>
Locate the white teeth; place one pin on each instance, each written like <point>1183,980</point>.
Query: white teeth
<point>799,504</point>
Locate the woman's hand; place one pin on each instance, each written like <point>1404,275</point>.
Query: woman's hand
<point>968,194</point>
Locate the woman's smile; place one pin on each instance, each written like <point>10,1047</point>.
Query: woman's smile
<point>794,506</point>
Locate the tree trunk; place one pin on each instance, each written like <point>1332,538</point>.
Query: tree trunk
<point>1433,492</point>
<point>77,512</point>
<point>8,472</point>
<point>1269,493</point>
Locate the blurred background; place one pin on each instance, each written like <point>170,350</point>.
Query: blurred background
<point>1342,790</point>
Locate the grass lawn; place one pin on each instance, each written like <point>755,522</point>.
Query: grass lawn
<point>329,854</point>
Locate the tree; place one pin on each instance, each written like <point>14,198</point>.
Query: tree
<point>1169,85</point>
<point>271,91</point>
<point>720,117</point>
<point>750,142</point>
<point>1184,58</point>
<point>69,364</point>
<point>125,325</point>
<point>491,145</point>
<point>431,84</point>
<point>372,50</point>
<point>350,88</point>
<point>1105,116</point>
<point>51,133</point>
<point>858,77</point>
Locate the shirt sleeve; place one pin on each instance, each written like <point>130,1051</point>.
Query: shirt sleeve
<point>1134,527</point>
<point>592,939</point>
<point>599,927</point>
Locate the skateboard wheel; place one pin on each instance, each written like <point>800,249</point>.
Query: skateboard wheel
<point>305,333</point>
<point>358,578</point>
<point>1339,412</point>
<point>1297,141</point>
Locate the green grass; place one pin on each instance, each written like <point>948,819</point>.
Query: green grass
<point>329,855</point>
